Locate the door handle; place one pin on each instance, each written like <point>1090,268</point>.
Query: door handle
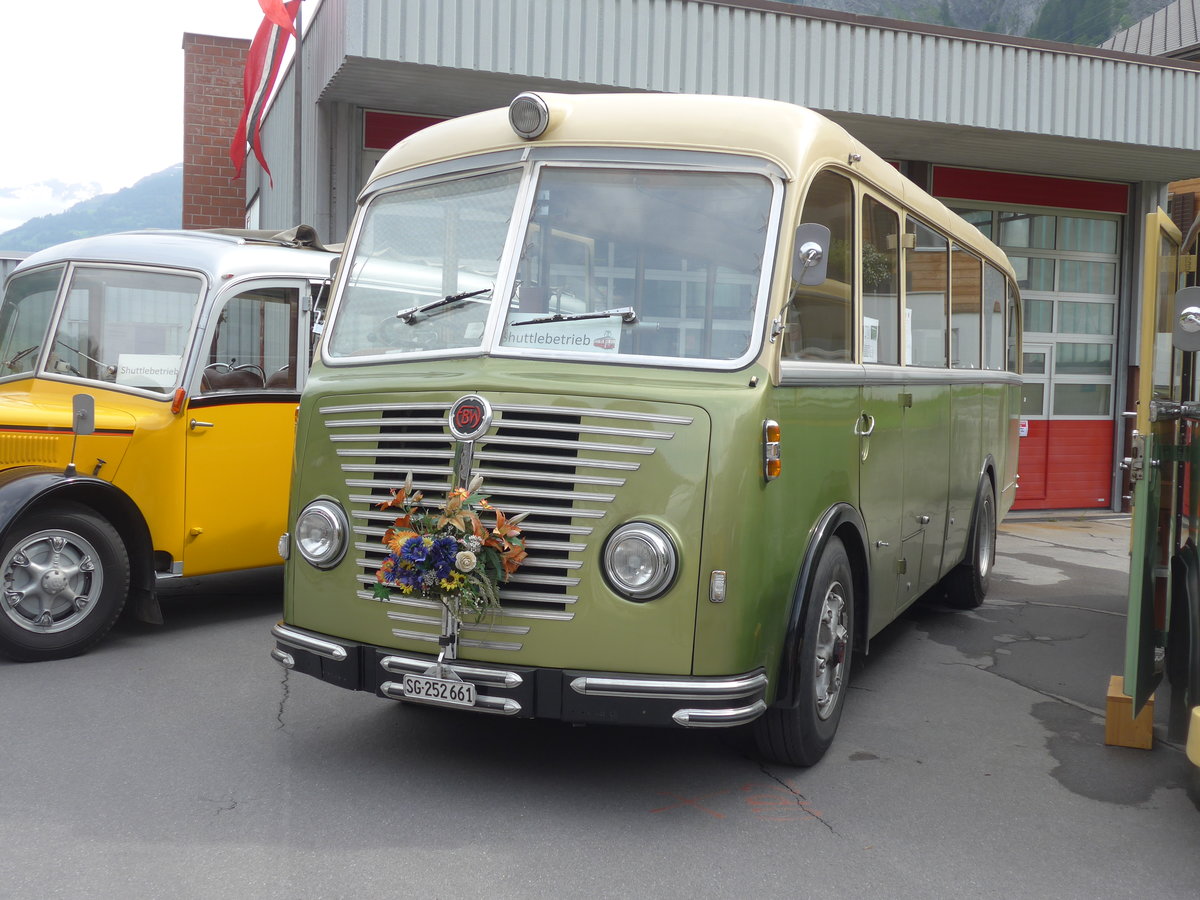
<point>865,425</point>
<point>194,424</point>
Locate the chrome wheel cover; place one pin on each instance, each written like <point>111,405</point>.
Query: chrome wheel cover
<point>51,581</point>
<point>986,543</point>
<point>829,659</point>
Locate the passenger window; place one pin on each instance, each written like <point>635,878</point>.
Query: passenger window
<point>966,294</point>
<point>1014,327</point>
<point>818,321</point>
<point>881,285</point>
<point>993,318</point>
<point>926,265</point>
<point>253,345</point>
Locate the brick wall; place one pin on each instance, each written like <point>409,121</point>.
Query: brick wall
<point>214,196</point>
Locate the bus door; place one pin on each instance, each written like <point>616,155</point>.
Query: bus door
<point>881,496</point>
<point>240,422</point>
<point>1155,469</point>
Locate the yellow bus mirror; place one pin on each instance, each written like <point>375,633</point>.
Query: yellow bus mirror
<point>1187,319</point>
<point>810,256</point>
<point>83,414</point>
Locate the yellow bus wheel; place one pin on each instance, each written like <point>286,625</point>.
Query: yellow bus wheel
<point>65,577</point>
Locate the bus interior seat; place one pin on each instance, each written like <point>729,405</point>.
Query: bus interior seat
<point>283,377</point>
<point>223,377</point>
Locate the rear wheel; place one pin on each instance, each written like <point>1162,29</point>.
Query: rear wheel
<point>799,736</point>
<point>65,574</point>
<point>967,584</point>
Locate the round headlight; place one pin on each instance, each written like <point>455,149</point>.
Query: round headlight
<point>639,561</point>
<point>321,531</point>
<point>529,115</point>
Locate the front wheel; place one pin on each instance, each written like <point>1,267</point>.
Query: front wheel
<point>65,577</point>
<point>800,735</point>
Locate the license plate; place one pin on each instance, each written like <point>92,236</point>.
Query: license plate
<point>439,690</point>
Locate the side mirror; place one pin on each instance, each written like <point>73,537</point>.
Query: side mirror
<point>810,257</point>
<point>1186,336</point>
<point>83,414</point>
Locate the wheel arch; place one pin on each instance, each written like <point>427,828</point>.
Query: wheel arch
<point>25,488</point>
<point>843,521</point>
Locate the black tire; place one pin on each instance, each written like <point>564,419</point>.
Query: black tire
<point>967,584</point>
<point>65,575</point>
<point>800,735</point>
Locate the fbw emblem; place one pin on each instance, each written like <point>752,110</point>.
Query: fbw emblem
<point>470,417</point>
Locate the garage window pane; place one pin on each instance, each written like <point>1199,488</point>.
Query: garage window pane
<point>1081,399</point>
<point>1038,315</point>
<point>1085,318</point>
<point>1033,399</point>
<point>1083,359</point>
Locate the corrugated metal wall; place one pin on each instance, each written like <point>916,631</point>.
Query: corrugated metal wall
<point>841,66</point>
<point>899,79</point>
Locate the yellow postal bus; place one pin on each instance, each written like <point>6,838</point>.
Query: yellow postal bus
<point>748,391</point>
<point>148,388</point>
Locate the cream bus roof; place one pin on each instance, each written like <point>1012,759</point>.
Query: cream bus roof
<point>798,139</point>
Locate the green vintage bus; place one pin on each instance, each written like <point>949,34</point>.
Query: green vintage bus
<point>752,389</point>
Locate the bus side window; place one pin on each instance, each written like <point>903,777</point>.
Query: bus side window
<point>926,266</point>
<point>993,317</point>
<point>881,286</point>
<point>1014,328</point>
<point>254,343</point>
<point>966,292</point>
<point>818,320</point>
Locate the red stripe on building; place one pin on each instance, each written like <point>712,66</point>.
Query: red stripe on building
<point>1029,190</point>
<point>1075,474</point>
<point>383,130</point>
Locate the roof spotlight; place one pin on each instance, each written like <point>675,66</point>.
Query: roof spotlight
<point>529,115</point>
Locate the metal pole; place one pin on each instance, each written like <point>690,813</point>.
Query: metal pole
<point>298,122</point>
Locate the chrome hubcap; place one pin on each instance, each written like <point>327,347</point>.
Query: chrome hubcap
<point>987,540</point>
<point>833,639</point>
<point>51,581</point>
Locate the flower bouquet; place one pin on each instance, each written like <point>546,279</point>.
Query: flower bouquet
<point>450,554</point>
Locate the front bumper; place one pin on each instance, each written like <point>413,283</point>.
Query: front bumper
<point>529,692</point>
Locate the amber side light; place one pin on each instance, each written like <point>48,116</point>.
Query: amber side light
<point>772,461</point>
<point>177,401</point>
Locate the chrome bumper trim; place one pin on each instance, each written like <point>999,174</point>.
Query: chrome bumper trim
<point>502,706</point>
<point>719,718</point>
<point>284,659</point>
<point>311,643</point>
<point>398,665</point>
<point>730,688</point>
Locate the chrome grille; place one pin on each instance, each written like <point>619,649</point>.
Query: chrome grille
<point>564,466</point>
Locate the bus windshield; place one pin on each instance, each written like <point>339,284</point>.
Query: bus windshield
<point>24,318</point>
<point>611,262</point>
<point>122,326</point>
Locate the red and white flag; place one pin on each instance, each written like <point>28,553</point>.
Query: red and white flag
<point>277,13</point>
<point>262,68</point>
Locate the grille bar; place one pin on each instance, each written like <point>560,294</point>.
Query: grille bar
<point>564,466</point>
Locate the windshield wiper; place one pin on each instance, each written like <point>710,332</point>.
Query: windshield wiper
<point>12,363</point>
<point>628,316</point>
<point>408,316</point>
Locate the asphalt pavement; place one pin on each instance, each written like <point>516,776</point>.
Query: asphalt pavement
<point>180,761</point>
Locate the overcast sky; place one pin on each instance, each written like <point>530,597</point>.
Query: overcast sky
<point>93,93</point>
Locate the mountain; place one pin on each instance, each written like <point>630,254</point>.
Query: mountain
<point>154,202</point>
<point>1088,22</point>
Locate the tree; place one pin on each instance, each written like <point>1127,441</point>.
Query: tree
<point>1088,22</point>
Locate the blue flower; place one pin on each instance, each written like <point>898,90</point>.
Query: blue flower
<point>414,550</point>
